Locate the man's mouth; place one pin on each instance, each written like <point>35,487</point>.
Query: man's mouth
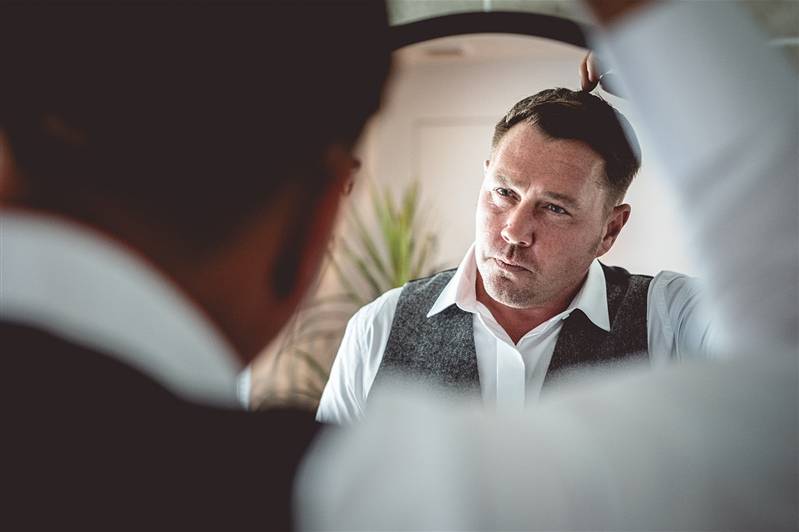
<point>509,266</point>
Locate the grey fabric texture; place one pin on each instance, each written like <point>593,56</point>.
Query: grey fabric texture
<point>581,344</point>
<point>440,350</point>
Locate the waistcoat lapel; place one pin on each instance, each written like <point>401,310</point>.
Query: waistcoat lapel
<point>439,349</point>
<point>582,344</point>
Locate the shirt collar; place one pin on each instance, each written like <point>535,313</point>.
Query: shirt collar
<point>592,298</point>
<point>460,290</point>
<point>85,288</point>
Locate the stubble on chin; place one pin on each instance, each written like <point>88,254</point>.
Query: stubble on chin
<point>506,290</point>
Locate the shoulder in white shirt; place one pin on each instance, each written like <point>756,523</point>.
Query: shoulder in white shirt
<point>511,374</point>
<point>80,285</point>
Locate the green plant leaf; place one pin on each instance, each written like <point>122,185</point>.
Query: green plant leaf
<point>314,389</point>
<point>318,334</point>
<point>421,259</point>
<point>350,291</point>
<point>373,259</point>
<point>322,315</point>
<point>314,365</point>
<point>363,269</point>
<point>368,244</point>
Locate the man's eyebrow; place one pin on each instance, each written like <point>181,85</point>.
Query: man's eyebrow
<point>507,181</point>
<point>560,197</point>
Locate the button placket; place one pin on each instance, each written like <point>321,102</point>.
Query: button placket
<point>511,387</point>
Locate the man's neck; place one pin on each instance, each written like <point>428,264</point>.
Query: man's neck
<point>518,322</point>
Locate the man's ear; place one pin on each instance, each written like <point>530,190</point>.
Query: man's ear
<point>616,220</point>
<point>305,240</point>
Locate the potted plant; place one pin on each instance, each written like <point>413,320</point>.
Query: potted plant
<point>384,247</point>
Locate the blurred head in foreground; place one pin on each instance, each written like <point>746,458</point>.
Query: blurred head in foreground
<point>214,141</point>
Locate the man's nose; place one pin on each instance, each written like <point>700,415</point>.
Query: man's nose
<point>518,230</point>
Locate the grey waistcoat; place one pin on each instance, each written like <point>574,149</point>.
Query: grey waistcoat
<point>440,349</point>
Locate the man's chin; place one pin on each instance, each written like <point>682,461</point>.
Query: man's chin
<point>503,290</point>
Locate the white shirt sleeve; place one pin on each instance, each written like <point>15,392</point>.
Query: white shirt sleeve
<point>679,323</point>
<point>357,361</point>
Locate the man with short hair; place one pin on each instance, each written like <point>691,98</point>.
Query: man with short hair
<point>170,177</point>
<point>529,302</point>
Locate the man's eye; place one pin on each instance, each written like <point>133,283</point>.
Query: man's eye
<point>504,192</point>
<point>555,209</point>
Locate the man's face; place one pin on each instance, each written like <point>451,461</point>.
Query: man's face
<point>541,218</point>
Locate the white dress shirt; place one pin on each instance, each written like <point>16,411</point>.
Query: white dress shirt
<point>77,284</point>
<point>511,375</point>
<point>705,445</point>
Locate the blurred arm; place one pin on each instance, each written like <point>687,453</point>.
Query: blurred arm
<point>720,109</point>
<point>680,326</point>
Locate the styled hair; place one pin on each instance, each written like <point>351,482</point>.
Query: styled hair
<point>191,115</point>
<point>577,115</point>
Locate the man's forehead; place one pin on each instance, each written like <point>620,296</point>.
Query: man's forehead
<point>520,161</point>
<point>526,143</point>
<point>526,157</point>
